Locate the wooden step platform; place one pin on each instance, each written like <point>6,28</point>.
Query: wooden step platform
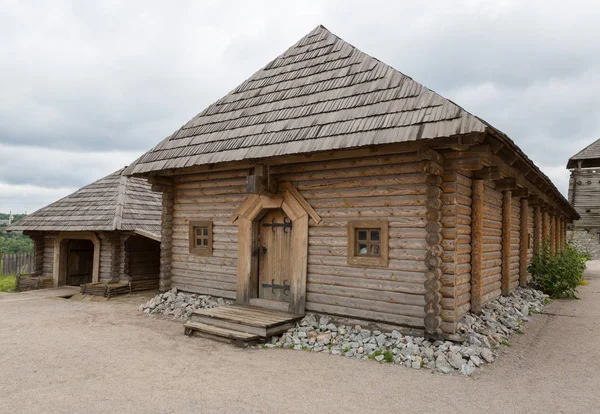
<point>219,334</point>
<point>240,323</point>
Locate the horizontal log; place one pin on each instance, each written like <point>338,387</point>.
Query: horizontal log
<point>403,265</point>
<point>366,294</point>
<point>405,184</point>
<point>345,311</point>
<point>366,171</point>
<point>368,273</point>
<point>211,176</point>
<point>373,201</point>
<point>367,305</point>
<point>227,294</point>
<point>370,284</point>
<point>345,163</point>
<point>221,183</point>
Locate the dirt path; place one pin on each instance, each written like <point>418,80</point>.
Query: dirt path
<point>58,355</point>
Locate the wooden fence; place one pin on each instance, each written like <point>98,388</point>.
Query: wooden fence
<point>16,264</point>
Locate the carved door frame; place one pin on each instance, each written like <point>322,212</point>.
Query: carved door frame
<point>248,216</point>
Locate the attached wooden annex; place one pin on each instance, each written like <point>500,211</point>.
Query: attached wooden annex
<point>584,187</point>
<point>335,184</point>
<point>108,231</point>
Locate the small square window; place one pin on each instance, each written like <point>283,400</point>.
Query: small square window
<point>201,238</point>
<point>368,243</point>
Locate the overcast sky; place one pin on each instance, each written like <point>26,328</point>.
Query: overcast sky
<point>87,87</point>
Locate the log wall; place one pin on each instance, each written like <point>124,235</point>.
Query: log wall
<point>385,187</point>
<point>207,197</point>
<point>38,251</point>
<point>48,263</point>
<point>491,265</point>
<point>375,188</point>
<point>531,233</point>
<point>515,242</point>
<point>456,286</point>
<point>109,257</point>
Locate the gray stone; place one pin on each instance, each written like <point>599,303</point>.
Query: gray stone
<point>428,353</point>
<point>379,358</point>
<point>365,333</point>
<point>467,369</point>
<point>456,360</point>
<point>487,355</point>
<point>442,365</point>
<point>476,360</point>
<point>473,340</point>
<point>324,338</point>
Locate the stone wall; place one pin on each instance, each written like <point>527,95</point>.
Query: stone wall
<point>585,241</point>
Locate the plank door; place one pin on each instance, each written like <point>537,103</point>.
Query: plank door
<point>274,262</point>
<point>80,262</point>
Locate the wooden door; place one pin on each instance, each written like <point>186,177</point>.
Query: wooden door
<point>80,262</point>
<point>275,258</point>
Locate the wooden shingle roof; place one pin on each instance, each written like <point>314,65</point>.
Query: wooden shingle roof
<point>115,202</point>
<point>321,94</point>
<point>589,156</point>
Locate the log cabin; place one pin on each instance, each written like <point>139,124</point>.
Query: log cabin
<point>332,183</point>
<point>108,231</point>
<point>584,188</point>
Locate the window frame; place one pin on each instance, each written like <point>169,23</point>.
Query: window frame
<point>201,250</point>
<point>367,260</point>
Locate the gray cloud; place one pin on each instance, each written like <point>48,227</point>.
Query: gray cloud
<point>88,86</point>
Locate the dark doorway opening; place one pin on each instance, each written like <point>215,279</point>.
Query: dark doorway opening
<point>80,262</point>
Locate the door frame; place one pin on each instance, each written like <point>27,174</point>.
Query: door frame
<point>59,272</point>
<point>248,216</point>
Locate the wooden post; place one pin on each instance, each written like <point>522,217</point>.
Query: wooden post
<point>123,259</point>
<point>166,239</point>
<point>545,222</point>
<point>506,242</point>
<point>523,242</point>
<point>552,228</point>
<point>537,229</point>
<point>476,245</point>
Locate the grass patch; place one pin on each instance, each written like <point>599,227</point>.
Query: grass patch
<point>8,283</point>
<point>388,356</point>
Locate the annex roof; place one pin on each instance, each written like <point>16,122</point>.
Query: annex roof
<point>115,202</point>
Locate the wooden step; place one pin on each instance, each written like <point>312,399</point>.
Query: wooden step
<point>220,334</point>
<point>249,319</point>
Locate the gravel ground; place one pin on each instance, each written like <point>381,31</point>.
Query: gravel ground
<point>60,355</point>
